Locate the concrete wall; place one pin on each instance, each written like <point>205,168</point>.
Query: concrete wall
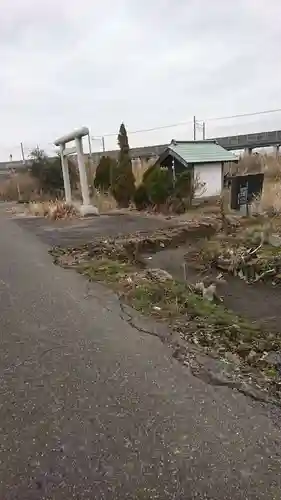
<point>211,175</point>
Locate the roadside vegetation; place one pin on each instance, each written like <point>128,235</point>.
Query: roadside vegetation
<point>196,315</point>
<point>121,183</point>
<point>114,183</point>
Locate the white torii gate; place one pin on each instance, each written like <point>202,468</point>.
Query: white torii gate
<point>86,208</point>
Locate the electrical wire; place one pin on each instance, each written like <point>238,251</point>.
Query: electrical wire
<point>242,115</point>
<point>162,127</point>
<point>207,120</point>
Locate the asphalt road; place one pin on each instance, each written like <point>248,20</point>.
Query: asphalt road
<point>90,408</point>
<point>71,232</point>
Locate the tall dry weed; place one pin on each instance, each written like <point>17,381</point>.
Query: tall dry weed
<point>251,164</point>
<point>269,164</point>
<point>272,168</point>
<point>19,187</point>
<point>103,201</point>
<point>139,168</point>
<point>270,201</point>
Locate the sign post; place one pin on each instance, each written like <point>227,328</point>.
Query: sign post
<point>244,189</point>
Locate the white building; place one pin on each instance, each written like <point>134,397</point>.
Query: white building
<point>206,159</point>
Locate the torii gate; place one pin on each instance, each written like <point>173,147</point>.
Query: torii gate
<point>86,208</point>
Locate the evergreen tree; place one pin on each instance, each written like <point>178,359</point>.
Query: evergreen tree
<point>123,142</point>
<point>105,173</point>
<point>123,187</point>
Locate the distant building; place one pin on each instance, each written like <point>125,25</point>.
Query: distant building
<point>206,159</point>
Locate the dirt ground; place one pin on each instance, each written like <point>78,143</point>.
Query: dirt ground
<point>259,302</point>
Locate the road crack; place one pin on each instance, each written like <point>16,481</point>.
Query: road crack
<point>197,369</point>
<point>126,316</point>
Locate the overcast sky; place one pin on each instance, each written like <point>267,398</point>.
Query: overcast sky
<point>66,64</point>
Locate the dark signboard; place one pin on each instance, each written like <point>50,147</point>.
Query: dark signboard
<point>244,189</point>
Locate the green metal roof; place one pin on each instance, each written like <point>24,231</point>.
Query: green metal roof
<point>199,152</point>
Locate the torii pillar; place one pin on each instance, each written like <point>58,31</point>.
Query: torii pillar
<point>86,208</point>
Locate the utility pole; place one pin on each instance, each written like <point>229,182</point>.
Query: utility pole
<point>201,125</point>
<point>103,144</point>
<point>22,153</point>
<point>194,128</point>
<point>204,130</point>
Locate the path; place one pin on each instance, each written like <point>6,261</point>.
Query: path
<point>90,408</point>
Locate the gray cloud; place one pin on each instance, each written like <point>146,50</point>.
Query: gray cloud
<point>148,63</point>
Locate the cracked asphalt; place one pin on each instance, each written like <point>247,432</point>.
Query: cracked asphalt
<point>91,408</point>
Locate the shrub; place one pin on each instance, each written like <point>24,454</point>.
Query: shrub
<point>180,199</point>
<point>141,198</point>
<point>158,188</point>
<point>123,185</point>
<point>48,172</point>
<point>184,186</point>
<point>147,173</point>
<point>159,185</point>
<point>176,205</point>
<point>105,173</point>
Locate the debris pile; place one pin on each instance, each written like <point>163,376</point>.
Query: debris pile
<point>129,248</point>
<point>251,264</point>
<point>53,210</point>
<point>61,210</point>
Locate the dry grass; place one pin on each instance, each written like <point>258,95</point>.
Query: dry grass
<point>270,165</point>
<point>251,164</point>
<point>139,168</point>
<point>103,201</point>
<point>267,163</point>
<point>271,197</point>
<point>22,187</point>
<point>91,168</point>
<point>19,187</point>
<point>272,169</point>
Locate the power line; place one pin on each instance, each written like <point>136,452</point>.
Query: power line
<point>161,127</point>
<point>189,122</point>
<point>242,115</point>
<point>20,147</point>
